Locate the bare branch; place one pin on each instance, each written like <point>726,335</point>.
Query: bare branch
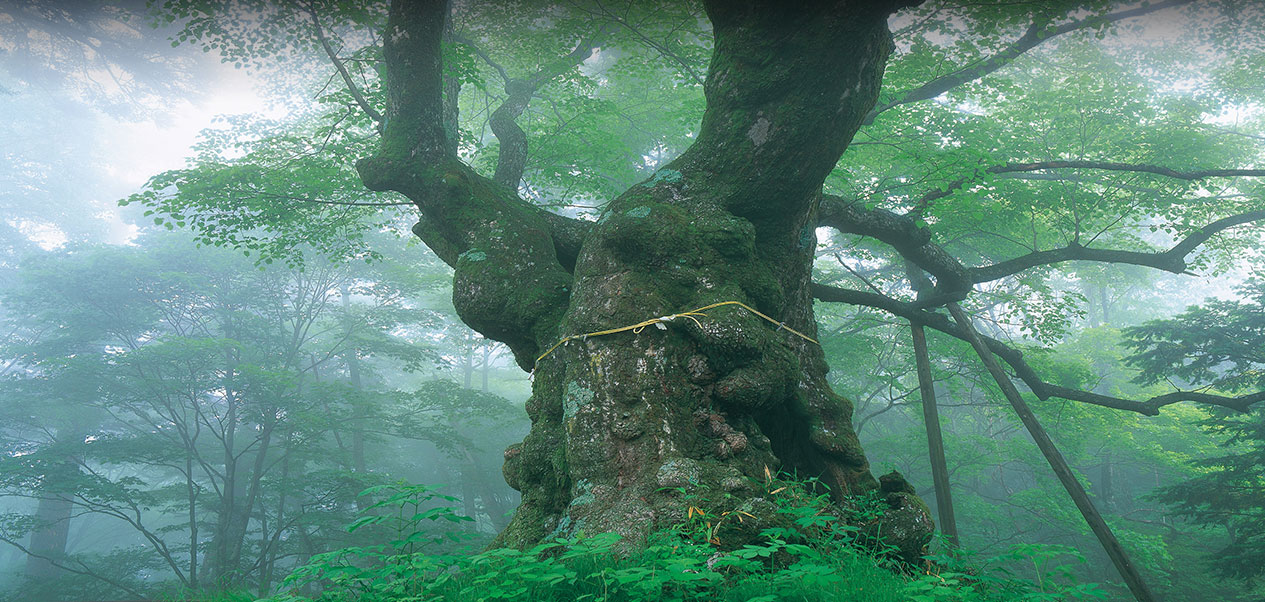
<point>1152,406</point>
<point>905,236</point>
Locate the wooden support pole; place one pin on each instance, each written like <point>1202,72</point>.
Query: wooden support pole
<point>935,441</point>
<point>1114,550</point>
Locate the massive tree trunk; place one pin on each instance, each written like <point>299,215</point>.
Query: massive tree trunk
<point>622,422</point>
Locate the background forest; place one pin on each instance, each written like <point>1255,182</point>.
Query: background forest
<point>213,338</point>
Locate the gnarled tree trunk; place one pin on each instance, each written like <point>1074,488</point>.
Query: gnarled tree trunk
<point>621,421</point>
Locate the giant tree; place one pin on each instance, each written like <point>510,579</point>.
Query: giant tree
<point>619,421</point>
<point>1046,164</point>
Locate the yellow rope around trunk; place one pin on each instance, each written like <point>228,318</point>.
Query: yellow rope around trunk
<point>661,320</point>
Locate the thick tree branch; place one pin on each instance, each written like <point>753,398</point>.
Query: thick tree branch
<point>568,235</point>
<point>412,133</point>
<point>1151,407</point>
<point>1014,358</point>
<point>1033,37</point>
<point>912,241</point>
<point>953,280</point>
<point>511,282</point>
<point>1172,260</point>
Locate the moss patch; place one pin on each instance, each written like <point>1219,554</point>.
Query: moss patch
<point>576,397</point>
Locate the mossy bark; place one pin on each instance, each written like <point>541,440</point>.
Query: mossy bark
<point>627,425</point>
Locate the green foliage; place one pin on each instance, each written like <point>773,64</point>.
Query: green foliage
<point>1002,486</point>
<point>285,192</point>
<point>276,192</point>
<point>146,385</point>
<point>1229,493</point>
<point>1053,576</point>
<point>816,556</point>
<point>1218,343</point>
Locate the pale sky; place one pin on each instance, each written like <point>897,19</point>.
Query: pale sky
<point>129,152</point>
<point>145,149</point>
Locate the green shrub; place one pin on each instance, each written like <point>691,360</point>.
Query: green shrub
<point>814,555</point>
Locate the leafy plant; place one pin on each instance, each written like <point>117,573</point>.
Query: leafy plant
<point>394,570</point>
<point>814,555</point>
<point>1052,569</point>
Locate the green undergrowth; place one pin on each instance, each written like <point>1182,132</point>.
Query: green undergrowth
<point>819,554</point>
<point>215,597</point>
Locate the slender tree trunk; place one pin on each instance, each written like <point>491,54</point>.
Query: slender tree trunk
<point>246,509</point>
<point>1104,299</point>
<point>191,497</point>
<point>55,508</point>
<point>1106,482</point>
<point>622,423</point>
<point>1119,558</point>
<point>469,471</point>
<point>216,559</point>
<point>358,415</point>
<point>498,511</point>
<point>935,441</point>
<point>269,546</point>
<point>48,542</point>
<point>467,366</point>
<point>486,367</point>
